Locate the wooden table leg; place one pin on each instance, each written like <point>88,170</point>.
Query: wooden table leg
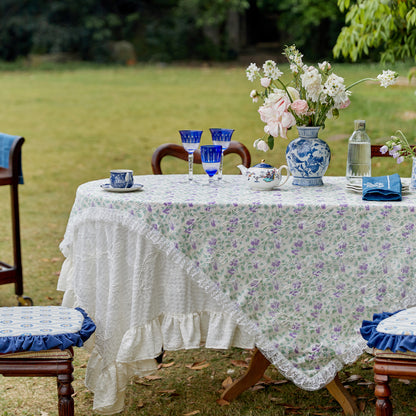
<point>258,365</point>
<point>254,373</point>
<point>341,395</point>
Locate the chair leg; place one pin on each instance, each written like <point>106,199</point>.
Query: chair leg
<point>382,392</point>
<point>65,392</point>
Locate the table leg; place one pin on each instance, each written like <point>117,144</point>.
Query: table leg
<point>254,373</point>
<point>258,365</point>
<point>341,395</point>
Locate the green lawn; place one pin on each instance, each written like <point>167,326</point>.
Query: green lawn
<point>81,122</point>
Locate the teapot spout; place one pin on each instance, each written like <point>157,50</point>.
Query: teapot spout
<point>243,169</point>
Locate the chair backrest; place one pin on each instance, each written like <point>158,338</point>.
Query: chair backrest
<point>375,151</point>
<point>11,159</point>
<point>176,150</point>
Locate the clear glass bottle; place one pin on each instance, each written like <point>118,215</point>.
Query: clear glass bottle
<point>359,154</point>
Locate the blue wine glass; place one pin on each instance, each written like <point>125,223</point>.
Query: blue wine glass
<point>211,159</point>
<point>190,142</point>
<point>221,137</point>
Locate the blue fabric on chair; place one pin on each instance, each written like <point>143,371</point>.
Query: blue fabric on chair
<point>6,142</point>
<point>397,338</point>
<point>38,328</point>
<point>382,188</point>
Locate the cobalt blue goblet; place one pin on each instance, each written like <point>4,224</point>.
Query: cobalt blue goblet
<point>221,137</point>
<point>211,159</point>
<point>190,142</point>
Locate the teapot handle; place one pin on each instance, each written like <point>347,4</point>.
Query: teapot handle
<point>287,174</point>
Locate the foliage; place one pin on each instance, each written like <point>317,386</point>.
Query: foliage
<point>80,27</point>
<point>194,29</point>
<point>387,27</point>
<point>161,30</point>
<point>312,25</point>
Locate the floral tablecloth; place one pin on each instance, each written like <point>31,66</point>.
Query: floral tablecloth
<point>293,271</point>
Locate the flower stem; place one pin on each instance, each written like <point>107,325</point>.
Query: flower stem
<point>359,82</point>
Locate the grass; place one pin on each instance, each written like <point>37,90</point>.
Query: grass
<point>81,121</point>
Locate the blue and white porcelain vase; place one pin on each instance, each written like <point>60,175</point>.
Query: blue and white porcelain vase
<point>308,157</point>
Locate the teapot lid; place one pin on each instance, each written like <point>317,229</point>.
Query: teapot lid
<point>264,165</point>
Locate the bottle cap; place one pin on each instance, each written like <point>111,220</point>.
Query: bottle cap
<point>359,124</point>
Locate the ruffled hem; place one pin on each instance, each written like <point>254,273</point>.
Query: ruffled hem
<point>383,341</point>
<point>141,345</point>
<point>109,382</point>
<point>46,342</point>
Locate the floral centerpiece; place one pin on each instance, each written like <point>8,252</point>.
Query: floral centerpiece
<point>308,99</point>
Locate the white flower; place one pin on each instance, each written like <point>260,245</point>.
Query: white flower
<point>252,72</point>
<point>260,144</point>
<point>324,66</point>
<point>293,93</point>
<point>334,85</point>
<point>265,82</point>
<point>295,58</point>
<point>294,68</point>
<point>311,81</point>
<point>271,70</point>
<point>274,97</point>
<point>387,78</point>
<point>254,95</point>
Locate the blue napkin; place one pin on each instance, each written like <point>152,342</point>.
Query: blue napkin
<point>6,142</point>
<point>382,188</point>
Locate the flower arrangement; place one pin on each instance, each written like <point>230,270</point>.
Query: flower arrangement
<point>399,148</point>
<point>313,95</point>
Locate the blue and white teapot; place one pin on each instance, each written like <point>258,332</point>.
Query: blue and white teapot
<point>264,177</point>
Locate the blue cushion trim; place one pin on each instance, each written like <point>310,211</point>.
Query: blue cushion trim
<point>46,342</point>
<point>383,341</point>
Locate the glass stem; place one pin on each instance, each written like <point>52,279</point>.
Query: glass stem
<point>220,169</point>
<point>190,166</point>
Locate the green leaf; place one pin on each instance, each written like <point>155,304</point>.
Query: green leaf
<point>270,142</point>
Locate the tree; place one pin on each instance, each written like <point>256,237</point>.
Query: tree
<point>313,25</point>
<point>387,27</point>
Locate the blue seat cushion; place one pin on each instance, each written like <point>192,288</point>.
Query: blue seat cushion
<point>394,331</point>
<point>37,328</point>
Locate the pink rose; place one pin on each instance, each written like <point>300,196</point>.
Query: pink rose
<point>278,120</point>
<point>300,107</point>
<point>345,104</point>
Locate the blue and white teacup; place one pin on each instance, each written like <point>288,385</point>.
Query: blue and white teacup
<point>121,178</point>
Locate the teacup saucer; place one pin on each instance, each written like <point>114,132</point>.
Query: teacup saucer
<point>135,187</point>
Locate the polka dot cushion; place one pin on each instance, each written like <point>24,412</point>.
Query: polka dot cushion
<point>39,328</point>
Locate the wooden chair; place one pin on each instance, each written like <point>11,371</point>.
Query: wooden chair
<point>176,150</point>
<point>11,175</point>
<point>393,338</point>
<point>28,352</point>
